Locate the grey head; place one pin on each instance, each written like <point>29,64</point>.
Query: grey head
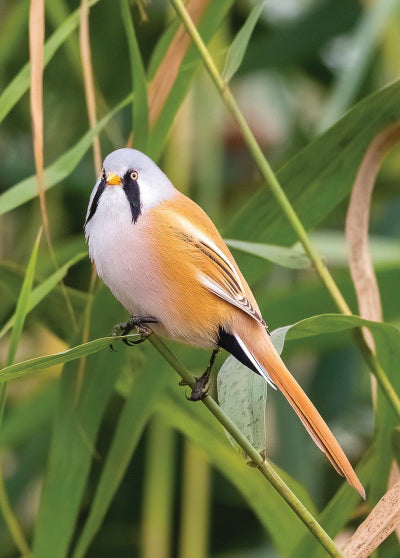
<point>130,177</point>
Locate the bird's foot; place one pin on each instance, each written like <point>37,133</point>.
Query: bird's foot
<point>202,386</point>
<point>135,322</point>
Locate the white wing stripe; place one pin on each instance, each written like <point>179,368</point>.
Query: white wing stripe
<point>219,291</point>
<point>255,362</point>
<point>187,225</point>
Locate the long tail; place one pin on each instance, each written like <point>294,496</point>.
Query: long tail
<point>271,367</point>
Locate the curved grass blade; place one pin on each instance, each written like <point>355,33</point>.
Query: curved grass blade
<point>32,365</point>
<point>22,308</point>
<point>20,84</point>
<point>140,404</point>
<point>274,514</point>
<point>238,47</point>
<point>41,291</point>
<point>76,424</point>
<point>26,190</point>
<point>140,109</point>
<point>294,258</point>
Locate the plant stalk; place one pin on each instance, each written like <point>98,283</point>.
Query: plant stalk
<point>264,467</point>
<point>282,199</point>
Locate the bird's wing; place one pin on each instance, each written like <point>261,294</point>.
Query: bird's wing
<point>215,270</point>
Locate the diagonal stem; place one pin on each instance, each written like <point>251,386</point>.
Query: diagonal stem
<point>284,202</point>
<point>262,465</point>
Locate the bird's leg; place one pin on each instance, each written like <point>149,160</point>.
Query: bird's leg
<point>202,385</point>
<point>135,322</point>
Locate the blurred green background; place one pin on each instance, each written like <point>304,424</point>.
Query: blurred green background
<point>307,63</point>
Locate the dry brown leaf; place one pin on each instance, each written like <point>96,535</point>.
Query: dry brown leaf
<point>394,476</point>
<point>379,524</point>
<point>165,76</point>
<point>88,80</point>
<point>36,52</point>
<point>360,261</point>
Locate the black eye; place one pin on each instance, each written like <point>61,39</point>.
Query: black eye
<point>134,175</point>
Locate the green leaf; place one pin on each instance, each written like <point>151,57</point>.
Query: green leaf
<point>20,84</point>
<point>32,365</point>
<point>243,396</point>
<point>337,513</point>
<point>140,404</point>
<point>140,109</point>
<point>197,425</point>
<point>239,45</point>
<point>83,397</point>
<point>294,258</point>
<point>26,190</point>
<point>42,290</point>
<point>320,176</point>
<point>22,308</point>
<point>214,14</point>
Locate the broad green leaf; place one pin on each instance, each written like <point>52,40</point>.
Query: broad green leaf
<point>243,396</point>
<point>20,84</point>
<point>22,308</point>
<point>140,109</point>
<point>84,394</point>
<point>28,417</point>
<point>320,176</point>
<point>197,425</point>
<point>40,363</point>
<point>26,190</point>
<point>48,311</point>
<point>146,391</point>
<point>41,291</point>
<point>333,323</point>
<point>294,257</point>
<point>239,45</point>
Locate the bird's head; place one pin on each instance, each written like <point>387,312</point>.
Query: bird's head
<point>129,179</point>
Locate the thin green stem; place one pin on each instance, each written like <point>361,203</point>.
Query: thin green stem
<point>284,202</point>
<point>12,522</point>
<point>263,466</point>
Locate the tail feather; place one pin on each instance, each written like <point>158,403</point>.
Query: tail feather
<point>308,414</point>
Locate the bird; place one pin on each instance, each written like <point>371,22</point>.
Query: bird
<point>164,260</point>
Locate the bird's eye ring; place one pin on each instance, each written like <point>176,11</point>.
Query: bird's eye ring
<point>134,175</point>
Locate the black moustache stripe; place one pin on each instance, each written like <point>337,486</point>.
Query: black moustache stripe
<point>132,192</point>
<point>95,202</point>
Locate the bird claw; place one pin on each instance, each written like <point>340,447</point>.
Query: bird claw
<point>136,322</point>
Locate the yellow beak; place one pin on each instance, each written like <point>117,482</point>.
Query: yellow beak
<point>113,179</point>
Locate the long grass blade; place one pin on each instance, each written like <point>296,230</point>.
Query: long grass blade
<point>40,363</point>
<point>41,291</point>
<point>140,109</point>
<point>20,84</point>
<point>20,315</point>
<point>88,80</point>
<point>195,510</point>
<point>239,45</point>
<point>22,308</point>
<point>144,396</point>
<point>158,506</point>
<point>26,190</point>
